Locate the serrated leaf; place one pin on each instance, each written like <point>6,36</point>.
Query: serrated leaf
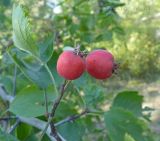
<point>72,131</point>
<point>129,100</point>
<point>46,49</point>
<point>22,35</point>
<point>30,102</point>
<point>120,122</point>
<point>7,137</point>
<point>32,68</point>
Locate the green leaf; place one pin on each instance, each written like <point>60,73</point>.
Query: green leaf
<point>114,3</point>
<point>65,109</point>
<point>119,30</point>
<point>120,122</point>
<point>7,137</point>
<point>7,81</point>
<point>22,82</point>
<point>22,36</point>
<point>7,60</point>
<point>6,2</point>
<point>23,131</point>
<point>129,100</point>
<point>72,131</point>
<point>93,95</point>
<point>107,35</point>
<point>87,37</point>
<point>32,68</point>
<point>46,49</point>
<point>30,102</point>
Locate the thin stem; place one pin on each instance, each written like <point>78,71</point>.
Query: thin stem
<point>46,102</point>
<point>14,126</point>
<point>45,129</point>
<point>53,110</point>
<point>84,103</point>
<point>72,118</point>
<point>67,83</point>
<point>95,113</point>
<point>57,101</point>
<point>52,78</point>
<point>8,118</point>
<point>55,106</point>
<point>3,113</point>
<point>14,80</point>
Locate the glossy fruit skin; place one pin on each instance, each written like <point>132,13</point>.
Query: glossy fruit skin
<point>70,65</point>
<point>100,64</point>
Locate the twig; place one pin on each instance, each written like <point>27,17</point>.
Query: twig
<point>8,118</point>
<point>54,107</point>
<point>72,118</point>
<point>14,126</point>
<point>54,132</point>
<point>57,101</point>
<point>14,80</point>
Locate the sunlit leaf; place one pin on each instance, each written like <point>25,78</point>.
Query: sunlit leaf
<point>129,100</point>
<point>22,35</point>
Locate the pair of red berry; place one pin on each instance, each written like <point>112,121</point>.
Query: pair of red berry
<point>99,64</point>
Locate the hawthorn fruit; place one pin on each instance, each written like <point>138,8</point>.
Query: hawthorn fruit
<point>70,65</point>
<point>100,64</point>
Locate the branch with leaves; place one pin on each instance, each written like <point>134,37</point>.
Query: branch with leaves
<point>37,123</point>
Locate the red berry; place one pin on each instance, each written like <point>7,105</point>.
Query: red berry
<point>100,64</point>
<point>70,65</point>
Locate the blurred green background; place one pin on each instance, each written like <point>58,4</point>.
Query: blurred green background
<point>129,29</point>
